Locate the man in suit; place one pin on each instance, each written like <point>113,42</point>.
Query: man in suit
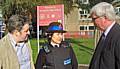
<point>15,49</point>
<point>107,53</point>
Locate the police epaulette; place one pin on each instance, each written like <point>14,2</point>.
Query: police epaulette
<point>46,49</point>
<point>65,44</point>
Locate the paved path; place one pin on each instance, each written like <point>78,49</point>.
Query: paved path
<point>83,66</point>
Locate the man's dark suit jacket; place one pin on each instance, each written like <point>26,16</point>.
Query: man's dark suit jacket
<point>107,53</point>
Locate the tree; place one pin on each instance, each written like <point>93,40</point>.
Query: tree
<point>91,3</point>
<point>88,7</point>
<point>28,7</point>
<point>116,3</point>
<point>10,7</point>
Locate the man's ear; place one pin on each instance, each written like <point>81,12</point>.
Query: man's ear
<point>16,32</point>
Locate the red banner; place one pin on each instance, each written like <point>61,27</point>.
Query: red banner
<point>48,14</point>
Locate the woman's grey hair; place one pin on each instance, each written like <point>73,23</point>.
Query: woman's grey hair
<point>104,9</point>
<point>16,22</point>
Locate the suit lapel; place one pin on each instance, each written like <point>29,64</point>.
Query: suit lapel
<point>11,52</point>
<point>113,30</point>
<point>96,56</point>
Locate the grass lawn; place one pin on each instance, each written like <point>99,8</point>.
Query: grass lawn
<point>83,49</point>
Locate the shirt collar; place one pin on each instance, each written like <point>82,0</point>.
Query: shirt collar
<point>14,43</point>
<point>54,45</point>
<point>108,29</point>
<point>12,39</point>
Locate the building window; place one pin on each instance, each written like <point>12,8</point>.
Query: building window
<point>84,1</point>
<point>117,10</point>
<point>84,15</point>
<point>84,28</point>
<point>91,27</point>
<point>87,27</point>
<point>81,27</point>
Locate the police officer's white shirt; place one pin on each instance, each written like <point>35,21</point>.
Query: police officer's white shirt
<point>54,45</point>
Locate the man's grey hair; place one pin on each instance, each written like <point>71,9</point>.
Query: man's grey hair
<point>16,22</point>
<point>104,9</point>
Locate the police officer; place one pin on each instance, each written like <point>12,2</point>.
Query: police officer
<point>56,54</point>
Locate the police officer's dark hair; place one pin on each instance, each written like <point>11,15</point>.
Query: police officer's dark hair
<point>49,36</point>
<point>16,22</point>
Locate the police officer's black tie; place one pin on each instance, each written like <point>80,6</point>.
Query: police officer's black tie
<point>56,46</point>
